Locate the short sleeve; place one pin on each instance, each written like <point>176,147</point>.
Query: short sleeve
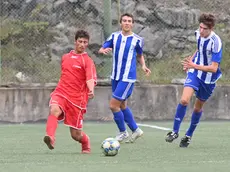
<point>109,42</point>
<point>216,50</point>
<point>139,46</point>
<point>216,57</point>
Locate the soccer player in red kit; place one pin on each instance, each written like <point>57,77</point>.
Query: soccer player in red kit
<point>69,99</point>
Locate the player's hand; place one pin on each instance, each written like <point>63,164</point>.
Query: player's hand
<point>183,61</point>
<point>146,70</point>
<point>187,63</point>
<point>91,94</point>
<point>185,69</point>
<point>105,51</point>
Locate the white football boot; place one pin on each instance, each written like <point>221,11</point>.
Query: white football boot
<point>135,135</point>
<point>122,136</point>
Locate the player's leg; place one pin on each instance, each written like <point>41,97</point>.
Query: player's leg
<point>128,116</point>
<point>204,92</point>
<point>79,136</point>
<point>190,85</point>
<point>180,113</point>
<point>121,91</point>
<point>118,117</point>
<point>51,125</point>
<point>195,119</point>
<point>130,121</point>
<point>74,119</point>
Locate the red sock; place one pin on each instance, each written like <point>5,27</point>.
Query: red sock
<point>84,138</point>
<point>51,125</point>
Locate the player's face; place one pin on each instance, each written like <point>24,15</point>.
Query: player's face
<point>205,31</point>
<point>126,24</point>
<point>81,44</point>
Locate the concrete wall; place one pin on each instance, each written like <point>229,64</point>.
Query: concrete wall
<point>150,102</point>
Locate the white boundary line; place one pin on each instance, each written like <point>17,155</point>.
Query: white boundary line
<point>154,126</point>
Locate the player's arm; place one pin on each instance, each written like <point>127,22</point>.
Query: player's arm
<point>216,57</point>
<point>211,68</point>
<point>91,77</point>
<point>107,46</point>
<point>91,85</point>
<point>104,50</point>
<point>140,57</point>
<point>141,60</point>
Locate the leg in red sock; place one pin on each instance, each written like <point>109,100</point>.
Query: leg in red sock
<point>85,143</point>
<point>51,127</point>
<point>82,138</point>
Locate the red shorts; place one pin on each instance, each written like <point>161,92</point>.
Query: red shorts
<point>71,114</point>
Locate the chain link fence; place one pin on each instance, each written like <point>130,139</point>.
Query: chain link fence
<point>36,33</point>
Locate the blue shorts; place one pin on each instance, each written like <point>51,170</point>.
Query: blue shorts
<point>121,90</point>
<point>203,91</point>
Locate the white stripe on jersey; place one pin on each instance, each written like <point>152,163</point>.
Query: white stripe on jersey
<point>120,56</point>
<point>113,70</point>
<point>129,60</point>
<point>201,60</point>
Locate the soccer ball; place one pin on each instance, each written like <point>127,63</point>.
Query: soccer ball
<point>110,147</point>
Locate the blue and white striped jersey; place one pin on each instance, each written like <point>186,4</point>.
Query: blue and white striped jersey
<point>209,50</point>
<point>125,49</point>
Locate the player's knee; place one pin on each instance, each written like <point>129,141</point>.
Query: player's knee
<point>114,108</point>
<point>55,110</point>
<point>197,109</point>
<point>73,136</point>
<point>123,106</point>
<point>184,102</point>
<point>76,136</point>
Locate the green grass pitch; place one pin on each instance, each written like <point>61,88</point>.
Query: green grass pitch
<point>22,150</point>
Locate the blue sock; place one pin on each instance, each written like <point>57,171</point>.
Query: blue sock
<point>179,116</point>
<point>194,121</point>
<point>119,119</point>
<point>128,116</point>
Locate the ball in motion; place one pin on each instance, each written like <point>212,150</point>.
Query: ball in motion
<point>110,147</point>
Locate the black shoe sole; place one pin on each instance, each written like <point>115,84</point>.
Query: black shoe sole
<point>184,145</point>
<point>169,140</point>
<point>47,141</point>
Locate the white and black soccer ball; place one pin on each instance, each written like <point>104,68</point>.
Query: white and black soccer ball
<point>110,147</point>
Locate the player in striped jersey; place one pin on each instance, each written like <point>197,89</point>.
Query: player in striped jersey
<point>126,46</point>
<point>203,72</point>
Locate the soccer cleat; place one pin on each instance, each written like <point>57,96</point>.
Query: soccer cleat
<point>185,141</point>
<point>86,147</point>
<point>171,136</point>
<point>49,142</point>
<point>122,136</point>
<point>135,135</point>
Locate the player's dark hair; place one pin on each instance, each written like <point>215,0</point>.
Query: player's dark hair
<point>81,34</point>
<point>128,15</point>
<point>207,19</point>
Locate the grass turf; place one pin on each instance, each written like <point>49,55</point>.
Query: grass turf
<point>22,150</point>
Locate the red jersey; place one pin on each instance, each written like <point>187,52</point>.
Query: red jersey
<point>76,70</point>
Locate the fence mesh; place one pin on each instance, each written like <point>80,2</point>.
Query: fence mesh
<point>36,33</point>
